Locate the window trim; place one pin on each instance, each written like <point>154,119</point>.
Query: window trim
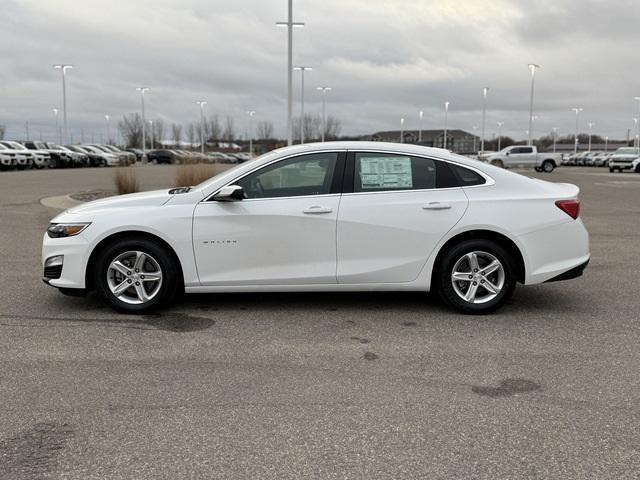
<point>349,176</point>
<point>338,176</point>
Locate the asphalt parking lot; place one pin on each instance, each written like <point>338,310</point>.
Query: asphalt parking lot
<point>321,385</point>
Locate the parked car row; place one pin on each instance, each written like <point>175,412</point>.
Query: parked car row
<point>39,154</point>
<point>176,156</point>
<point>624,158</point>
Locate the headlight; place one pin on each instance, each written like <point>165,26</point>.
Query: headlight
<point>60,230</point>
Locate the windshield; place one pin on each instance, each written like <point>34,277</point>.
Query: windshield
<point>234,168</point>
<point>627,151</point>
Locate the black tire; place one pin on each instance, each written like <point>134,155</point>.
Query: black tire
<point>538,169</point>
<point>637,170</point>
<point>548,166</point>
<point>611,169</point>
<point>171,278</point>
<point>445,270</point>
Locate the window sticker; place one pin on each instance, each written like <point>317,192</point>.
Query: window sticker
<point>385,172</point>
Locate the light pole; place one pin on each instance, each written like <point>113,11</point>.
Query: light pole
<point>420,115</point>
<point>635,129</point>
<point>638,126</point>
<point>290,24</point>
<point>485,90</point>
<point>591,124</point>
<point>324,91</point>
<point>532,67</point>
<point>475,138</point>
<point>555,138</point>
<point>142,90</point>
<point>606,144</point>
<point>201,104</point>
<point>152,135</point>
<point>577,111</point>
<point>58,133</point>
<point>446,115</point>
<point>107,118</point>
<point>63,68</point>
<point>251,113</point>
<point>302,69</point>
<point>402,130</point>
<point>499,124</point>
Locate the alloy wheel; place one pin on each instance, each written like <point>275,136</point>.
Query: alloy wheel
<point>134,277</point>
<point>478,277</point>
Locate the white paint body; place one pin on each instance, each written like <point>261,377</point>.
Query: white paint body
<point>360,241</point>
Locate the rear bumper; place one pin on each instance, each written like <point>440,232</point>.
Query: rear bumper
<point>575,272</point>
<point>553,251</point>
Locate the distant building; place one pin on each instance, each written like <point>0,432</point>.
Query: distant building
<point>458,141</point>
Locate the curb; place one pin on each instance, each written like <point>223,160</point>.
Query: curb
<point>61,202</point>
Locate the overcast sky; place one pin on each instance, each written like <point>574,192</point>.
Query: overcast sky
<point>384,60</point>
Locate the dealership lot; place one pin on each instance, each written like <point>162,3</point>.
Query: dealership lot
<point>324,385</point>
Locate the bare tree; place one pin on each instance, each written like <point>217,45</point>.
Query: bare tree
<point>229,134</point>
<point>131,129</point>
<point>213,129</point>
<point>191,134</point>
<point>158,131</point>
<point>176,133</point>
<point>264,130</point>
<point>3,129</point>
<point>332,128</point>
<point>311,125</point>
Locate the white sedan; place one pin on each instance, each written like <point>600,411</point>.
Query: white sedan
<point>343,216</point>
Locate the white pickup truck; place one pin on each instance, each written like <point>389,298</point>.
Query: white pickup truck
<point>525,157</point>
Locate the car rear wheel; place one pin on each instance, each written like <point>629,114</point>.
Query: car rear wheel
<point>136,276</point>
<point>497,163</point>
<point>476,276</point>
<point>548,166</point>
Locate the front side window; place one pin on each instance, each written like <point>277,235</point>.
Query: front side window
<point>294,177</point>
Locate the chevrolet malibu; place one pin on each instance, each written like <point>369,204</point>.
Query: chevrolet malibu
<point>343,216</point>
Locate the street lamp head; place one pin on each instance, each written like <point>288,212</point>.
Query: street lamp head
<point>446,105</point>
<point>142,90</point>
<point>63,67</point>
<point>251,113</point>
<point>636,98</point>
<point>55,111</point>
<point>500,124</point>
<point>324,89</point>
<point>201,104</point>
<point>402,121</point>
<point>420,114</point>
<point>485,90</point>
<point>302,68</point>
<point>293,24</point>
<point>107,117</point>
<point>532,67</point>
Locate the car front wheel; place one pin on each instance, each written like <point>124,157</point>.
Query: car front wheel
<point>476,276</point>
<point>136,276</point>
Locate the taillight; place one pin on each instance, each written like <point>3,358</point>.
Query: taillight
<point>570,207</point>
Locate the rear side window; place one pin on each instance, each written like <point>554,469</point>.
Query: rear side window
<point>379,172</point>
<point>466,177</point>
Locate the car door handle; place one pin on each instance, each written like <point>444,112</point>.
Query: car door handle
<point>436,206</point>
<point>317,209</point>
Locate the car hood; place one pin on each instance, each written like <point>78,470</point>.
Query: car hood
<point>625,156</point>
<point>153,198</point>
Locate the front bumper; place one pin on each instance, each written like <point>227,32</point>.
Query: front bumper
<point>74,251</point>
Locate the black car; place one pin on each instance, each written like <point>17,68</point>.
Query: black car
<point>137,152</point>
<point>161,156</point>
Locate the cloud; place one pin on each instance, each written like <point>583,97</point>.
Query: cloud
<point>385,59</point>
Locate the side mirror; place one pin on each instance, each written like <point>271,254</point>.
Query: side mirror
<point>507,154</point>
<point>230,193</point>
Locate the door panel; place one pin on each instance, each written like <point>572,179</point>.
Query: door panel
<point>283,232</point>
<point>266,241</point>
<point>386,237</point>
